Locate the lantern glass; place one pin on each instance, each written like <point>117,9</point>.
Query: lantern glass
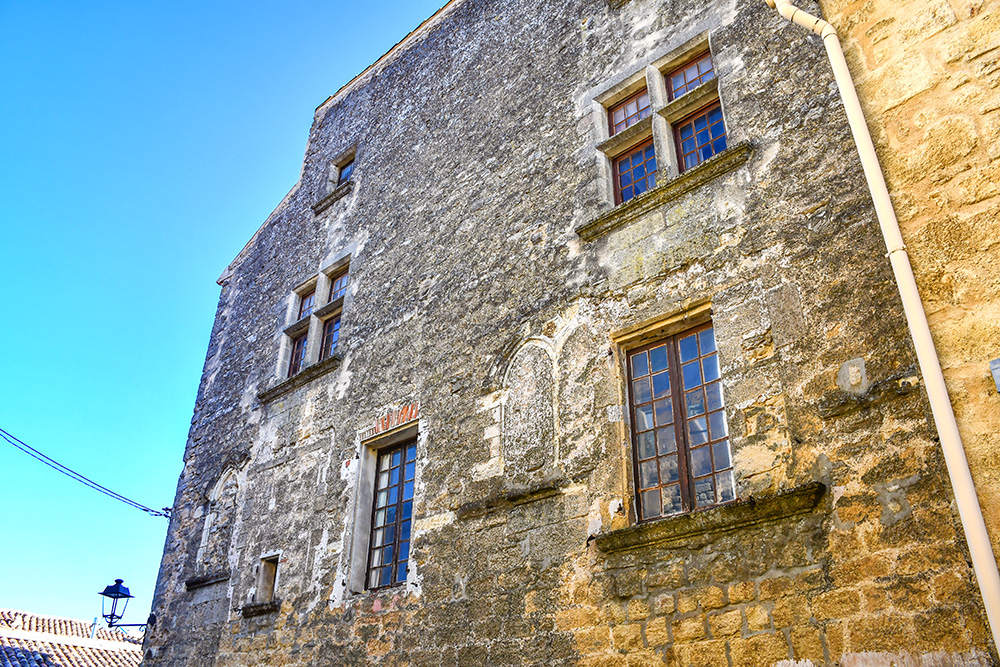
<point>119,595</point>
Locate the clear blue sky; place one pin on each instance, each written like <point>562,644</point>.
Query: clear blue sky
<point>141,145</point>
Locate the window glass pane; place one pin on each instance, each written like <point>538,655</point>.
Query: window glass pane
<point>721,451</point>
<point>379,518</point>
<point>644,418</point>
<point>711,367</point>
<point>704,492</point>
<point>404,555</point>
<point>706,151</point>
<point>390,514</point>
<point>410,470</point>
<point>666,440</point>
<point>638,172</point>
<point>393,497</point>
<point>707,340</point>
<point>714,394</point>
<point>408,491</point>
<point>648,477</point>
<point>407,509</point>
<point>719,144</point>
<point>640,187</point>
<point>688,348</point>
<point>690,160</point>
<point>377,541</point>
<point>700,124</point>
<point>382,498</point>
<point>384,462</point>
<point>650,503</point>
<point>390,534</point>
<point>376,557</point>
<point>401,573</point>
<point>373,579</point>
<point>387,555</point>
<point>664,412</point>
<point>404,531</point>
<point>640,365</point>
<point>647,449</point>
<point>668,469</point>
<point>383,479</point>
<point>661,385</point>
<point>386,578</point>
<point>411,453</point>
<point>671,499</point>
<point>717,425</point>
<point>725,482</point>
<point>692,374</point>
<point>395,458</point>
<point>394,476</point>
<point>697,431</point>
<point>658,358</point>
<point>701,462</point>
<point>695,401</point>
<point>640,391</point>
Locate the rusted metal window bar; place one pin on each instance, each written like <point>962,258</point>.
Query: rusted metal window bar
<point>629,112</point>
<point>700,136</point>
<point>635,172</point>
<point>681,454</point>
<point>690,75</point>
<point>392,513</point>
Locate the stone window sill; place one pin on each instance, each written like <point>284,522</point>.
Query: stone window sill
<point>327,201</point>
<point>626,138</point>
<point>260,609</point>
<point>302,377</point>
<point>732,158</point>
<point>686,104</point>
<point>206,580</point>
<point>679,529</point>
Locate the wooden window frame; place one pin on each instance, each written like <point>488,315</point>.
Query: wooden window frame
<point>345,172</point>
<point>629,121</point>
<point>619,199</point>
<point>335,291</point>
<point>690,118</point>
<point>307,304</point>
<point>407,477</point>
<point>688,86</point>
<point>296,362</point>
<point>325,350</point>
<point>683,452</point>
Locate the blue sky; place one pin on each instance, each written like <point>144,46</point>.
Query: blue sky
<point>142,144</point>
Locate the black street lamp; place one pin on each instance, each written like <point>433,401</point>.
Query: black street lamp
<point>118,593</point>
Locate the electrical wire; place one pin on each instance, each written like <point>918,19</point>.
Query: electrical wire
<point>72,474</point>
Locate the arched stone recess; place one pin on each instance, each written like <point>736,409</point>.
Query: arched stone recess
<point>220,521</point>
<point>528,427</point>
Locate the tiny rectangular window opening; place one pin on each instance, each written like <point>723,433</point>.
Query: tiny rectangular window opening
<point>266,579</point>
<point>345,172</point>
<point>306,304</point>
<point>680,440</point>
<point>297,361</point>
<point>392,514</point>
<point>338,286</point>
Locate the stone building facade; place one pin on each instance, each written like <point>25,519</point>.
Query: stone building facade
<point>481,391</point>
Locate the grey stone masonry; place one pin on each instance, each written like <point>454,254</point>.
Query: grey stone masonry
<point>495,295</point>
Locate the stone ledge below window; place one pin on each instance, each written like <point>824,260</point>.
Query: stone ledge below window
<point>679,529</point>
<point>302,377</point>
<point>334,195</point>
<point>260,608</point>
<point>733,157</point>
<point>206,580</point>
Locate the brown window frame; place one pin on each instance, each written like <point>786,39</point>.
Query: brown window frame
<point>690,119</point>
<point>325,350</point>
<point>297,359</point>
<point>345,172</point>
<point>337,292</point>
<point>686,481</point>
<point>619,198</point>
<point>688,85</point>
<point>402,524</point>
<point>307,304</point>
<point>629,120</point>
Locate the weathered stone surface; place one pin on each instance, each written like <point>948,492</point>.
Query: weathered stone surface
<point>473,297</point>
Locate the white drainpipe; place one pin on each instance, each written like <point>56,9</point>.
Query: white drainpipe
<point>983,559</point>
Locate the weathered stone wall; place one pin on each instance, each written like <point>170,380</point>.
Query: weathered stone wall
<point>928,74</point>
<point>473,296</point>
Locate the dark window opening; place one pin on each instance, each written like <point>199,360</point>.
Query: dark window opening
<point>266,578</point>
<point>635,172</point>
<point>690,75</point>
<point>680,439</point>
<point>628,113</point>
<point>700,136</point>
<point>389,545</point>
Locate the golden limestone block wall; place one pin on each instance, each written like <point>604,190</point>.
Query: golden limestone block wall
<point>928,75</point>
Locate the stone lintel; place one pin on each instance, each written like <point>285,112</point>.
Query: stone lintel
<point>723,518</point>
<point>623,214</point>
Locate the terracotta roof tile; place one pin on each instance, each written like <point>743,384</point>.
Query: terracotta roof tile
<point>30,640</point>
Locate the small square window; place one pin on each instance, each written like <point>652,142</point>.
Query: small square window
<point>635,171</point>
<point>345,172</point>
<point>306,304</point>
<point>331,334</point>
<point>297,361</point>
<point>392,515</point>
<point>338,286</point>
<point>690,75</point>
<point>680,438</point>
<point>266,578</point>
<point>700,136</point>
<point>628,113</point>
